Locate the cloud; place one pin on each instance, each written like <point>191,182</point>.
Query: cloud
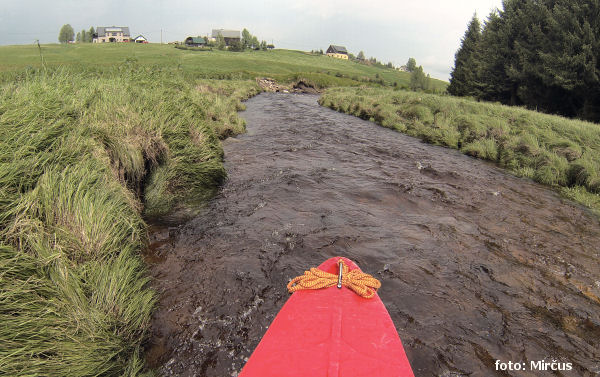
<point>425,11</point>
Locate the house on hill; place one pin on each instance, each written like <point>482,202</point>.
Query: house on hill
<point>339,52</point>
<point>194,41</point>
<point>228,35</point>
<point>111,34</point>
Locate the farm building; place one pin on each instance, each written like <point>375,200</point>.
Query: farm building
<point>140,39</point>
<point>111,34</point>
<point>228,35</point>
<point>339,52</point>
<point>195,41</point>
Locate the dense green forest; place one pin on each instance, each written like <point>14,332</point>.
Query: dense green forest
<point>542,54</point>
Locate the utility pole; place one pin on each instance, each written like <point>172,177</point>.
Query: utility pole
<point>160,36</point>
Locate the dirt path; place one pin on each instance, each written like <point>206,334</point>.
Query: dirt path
<point>476,265</point>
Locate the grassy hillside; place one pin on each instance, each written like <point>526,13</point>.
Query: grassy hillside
<point>552,150</point>
<point>92,142</point>
<point>283,65</point>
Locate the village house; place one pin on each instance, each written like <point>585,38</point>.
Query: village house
<point>195,41</point>
<point>339,52</point>
<point>228,35</point>
<point>111,34</point>
<point>140,39</point>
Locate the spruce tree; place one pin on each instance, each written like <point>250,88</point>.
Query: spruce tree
<point>543,54</point>
<point>493,53</point>
<point>463,76</point>
<point>568,59</point>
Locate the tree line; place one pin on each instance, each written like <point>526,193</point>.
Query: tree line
<point>247,42</point>
<point>67,34</point>
<point>419,80</point>
<point>542,54</point>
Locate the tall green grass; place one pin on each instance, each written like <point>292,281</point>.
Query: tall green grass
<point>551,150</point>
<point>84,155</point>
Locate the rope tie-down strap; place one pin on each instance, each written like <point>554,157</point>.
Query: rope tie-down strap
<point>362,284</point>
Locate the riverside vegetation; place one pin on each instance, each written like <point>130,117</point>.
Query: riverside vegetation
<point>93,140</point>
<point>549,149</point>
<point>83,155</point>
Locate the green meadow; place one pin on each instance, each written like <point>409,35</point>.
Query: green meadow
<point>282,65</point>
<point>94,141</point>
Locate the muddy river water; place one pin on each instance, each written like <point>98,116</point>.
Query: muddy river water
<point>476,265</point>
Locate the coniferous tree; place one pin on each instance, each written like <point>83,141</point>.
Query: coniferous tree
<point>542,54</point>
<point>463,76</point>
<point>91,33</point>
<point>411,64</point>
<point>492,55</point>
<point>567,51</point>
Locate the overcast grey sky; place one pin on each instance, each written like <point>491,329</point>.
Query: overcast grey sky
<point>428,30</point>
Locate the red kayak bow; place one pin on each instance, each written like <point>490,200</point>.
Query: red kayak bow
<point>331,331</point>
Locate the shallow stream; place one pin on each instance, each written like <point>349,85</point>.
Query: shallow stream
<point>476,265</point>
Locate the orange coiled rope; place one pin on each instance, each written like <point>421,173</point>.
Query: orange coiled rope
<point>363,284</point>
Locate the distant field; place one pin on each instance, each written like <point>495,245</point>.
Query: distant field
<point>285,65</point>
